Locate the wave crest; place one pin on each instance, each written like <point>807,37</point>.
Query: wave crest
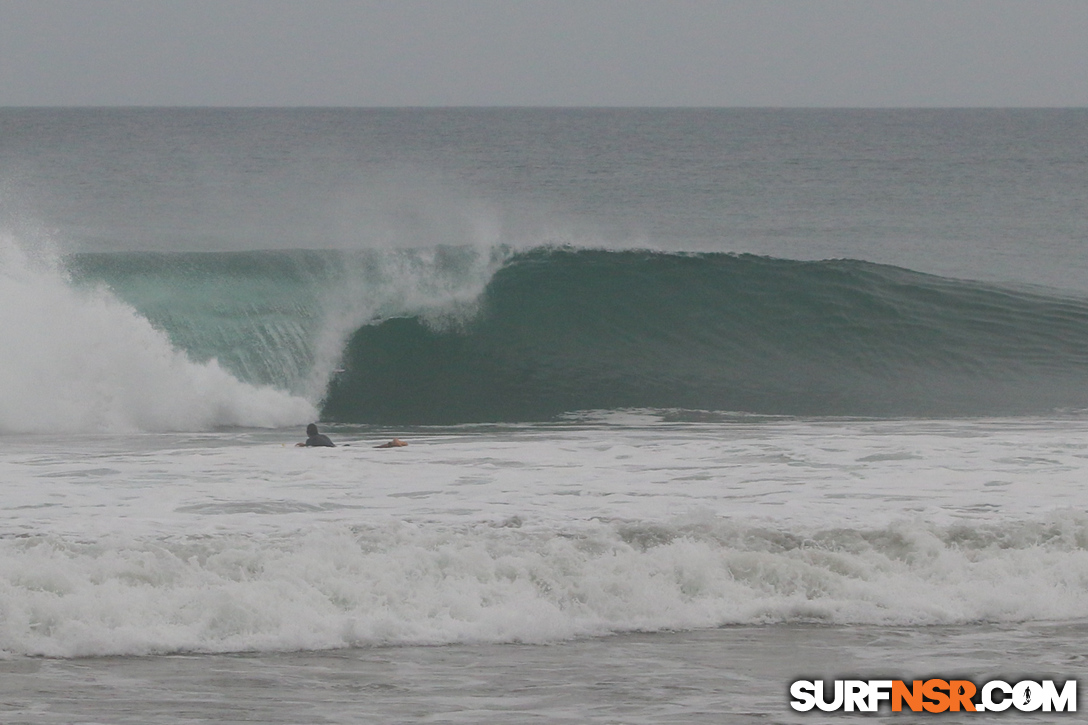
<point>570,330</point>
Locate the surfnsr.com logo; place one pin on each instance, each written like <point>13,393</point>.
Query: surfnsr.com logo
<point>933,695</point>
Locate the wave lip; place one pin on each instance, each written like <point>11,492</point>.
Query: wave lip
<point>561,330</point>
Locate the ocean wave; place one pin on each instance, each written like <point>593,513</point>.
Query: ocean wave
<point>79,359</point>
<point>565,330</point>
<point>459,335</point>
<point>513,581</point>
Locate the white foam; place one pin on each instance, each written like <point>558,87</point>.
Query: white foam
<point>81,360</point>
<point>233,542</point>
<point>441,285</point>
<point>403,583</point>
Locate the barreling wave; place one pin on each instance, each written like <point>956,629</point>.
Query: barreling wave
<point>564,330</point>
<point>281,318</point>
<point>458,335</point>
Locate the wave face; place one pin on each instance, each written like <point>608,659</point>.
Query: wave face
<point>562,330</point>
<point>458,335</point>
<point>280,318</point>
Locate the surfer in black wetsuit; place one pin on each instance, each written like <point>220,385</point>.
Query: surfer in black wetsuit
<point>316,439</point>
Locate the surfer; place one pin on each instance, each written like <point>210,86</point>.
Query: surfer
<point>395,443</point>
<point>315,439</point>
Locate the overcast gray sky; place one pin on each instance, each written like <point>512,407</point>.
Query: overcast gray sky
<point>544,52</point>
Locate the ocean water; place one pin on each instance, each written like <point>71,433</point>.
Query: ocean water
<point>698,403</point>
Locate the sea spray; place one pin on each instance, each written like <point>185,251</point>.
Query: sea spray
<point>282,318</point>
<point>440,285</point>
<point>79,359</point>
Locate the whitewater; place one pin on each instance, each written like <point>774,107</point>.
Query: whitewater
<point>524,534</point>
<point>667,451</point>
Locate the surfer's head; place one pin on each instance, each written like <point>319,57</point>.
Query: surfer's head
<point>311,429</point>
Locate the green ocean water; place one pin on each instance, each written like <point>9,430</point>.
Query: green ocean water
<point>468,265</point>
<point>182,290</point>
<point>553,331</point>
